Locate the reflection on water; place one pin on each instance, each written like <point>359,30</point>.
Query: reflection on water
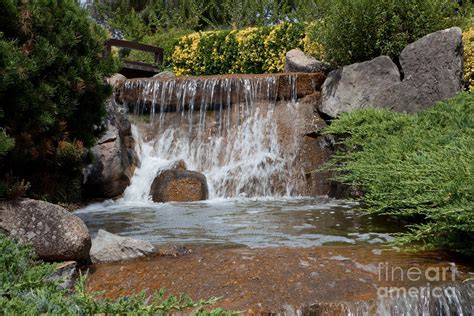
<point>264,222</point>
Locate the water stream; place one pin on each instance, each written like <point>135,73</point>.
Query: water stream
<point>226,128</point>
<point>236,145</point>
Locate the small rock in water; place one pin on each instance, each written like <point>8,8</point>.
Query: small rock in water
<point>173,251</point>
<point>107,247</point>
<point>178,185</point>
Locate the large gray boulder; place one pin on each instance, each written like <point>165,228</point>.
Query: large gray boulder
<point>107,247</point>
<point>115,158</point>
<point>352,87</point>
<point>54,233</point>
<point>432,68</point>
<point>297,61</point>
<point>177,185</point>
<point>433,71</point>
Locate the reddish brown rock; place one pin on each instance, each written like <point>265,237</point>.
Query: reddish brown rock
<point>178,185</point>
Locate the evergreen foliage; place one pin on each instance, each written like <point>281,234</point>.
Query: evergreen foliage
<point>359,30</point>
<point>52,92</point>
<point>417,167</point>
<point>26,288</point>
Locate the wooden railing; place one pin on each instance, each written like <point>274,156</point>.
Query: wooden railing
<point>136,65</point>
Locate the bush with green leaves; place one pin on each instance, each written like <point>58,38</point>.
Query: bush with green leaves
<point>141,18</point>
<point>250,50</point>
<point>52,92</point>
<point>359,30</point>
<point>416,167</point>
<point>26,288</point>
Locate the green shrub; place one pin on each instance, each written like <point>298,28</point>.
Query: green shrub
<point>359,30</point>
<point>52,90</point>
<point>27,289</point>
<point>250,50</point>
<point>418,167</point>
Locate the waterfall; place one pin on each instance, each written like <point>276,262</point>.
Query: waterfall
<point>223,127</point>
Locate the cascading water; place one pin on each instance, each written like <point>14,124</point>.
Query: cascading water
<point>222,127</point>
<point>230,128</point>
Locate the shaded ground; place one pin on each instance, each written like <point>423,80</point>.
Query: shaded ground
<point>274,279</point>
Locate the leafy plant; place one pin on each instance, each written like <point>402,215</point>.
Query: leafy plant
<point>359,30</point>
<point>250,50</point>
<point>27,289</point>
<point>416,167</point>
<point>52,89</point>
<point>468,39</point>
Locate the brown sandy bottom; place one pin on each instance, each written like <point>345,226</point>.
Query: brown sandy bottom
<point>270,280</point>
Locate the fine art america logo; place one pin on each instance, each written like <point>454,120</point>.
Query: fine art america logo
<point>416,275</point>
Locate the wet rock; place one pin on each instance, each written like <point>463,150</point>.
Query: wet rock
<point>54,233</point>
<point>107,247</point>
<point>297,61</point>
<point>179,165</point>
<point>354,86</point>
<point>115,158</point>
<point>179,186</point>
<point>66,274</point>
<point>298,133</point>
<point>433,70</point>
<point>116,78</point>
<point>173,251</point>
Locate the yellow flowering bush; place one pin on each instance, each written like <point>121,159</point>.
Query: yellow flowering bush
<point>281,39</point>
<point>468,39</point>
<point>250,50</point>
<point>185,54</point>
<point>250,56</point>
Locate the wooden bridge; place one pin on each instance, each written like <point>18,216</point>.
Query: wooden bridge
<point>136,69</point>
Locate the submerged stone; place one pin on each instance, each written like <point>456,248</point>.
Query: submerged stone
<point>107,247</point>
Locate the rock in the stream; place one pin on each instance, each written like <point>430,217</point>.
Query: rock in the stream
<point>107,247</point>
<point>433,71</point>
<point>178,185</point>
<point>297,61</point>
<point>54,233</point>
<point>352,87</point>
<point>173,251</point>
